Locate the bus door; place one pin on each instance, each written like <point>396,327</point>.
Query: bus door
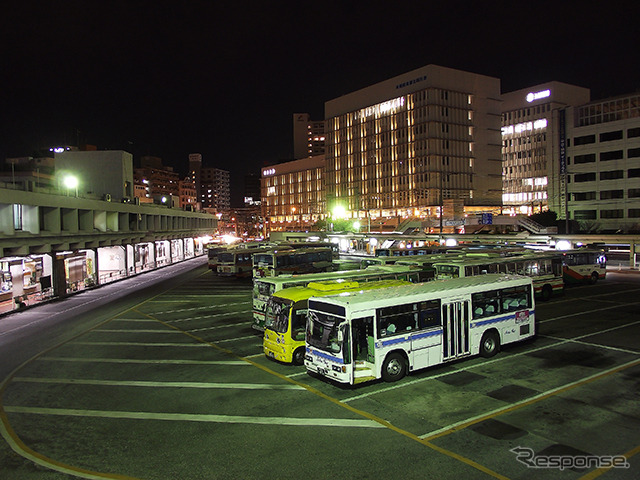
<point>362,339</point>
<point>455,330</point>
<point>362,350</point>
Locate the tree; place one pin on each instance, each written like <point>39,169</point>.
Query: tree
<point>548,218</point>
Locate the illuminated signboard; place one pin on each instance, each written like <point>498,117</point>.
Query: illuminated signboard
<point>524,127</point>
<point>269,171</point>
<point>383,108</point>
<point>532,96</point>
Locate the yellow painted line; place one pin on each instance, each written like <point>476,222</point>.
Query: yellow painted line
<point>599,471</point>
<point>335,401</point>
<point>516,406</point>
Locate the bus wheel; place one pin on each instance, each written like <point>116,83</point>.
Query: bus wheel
<point>547,292</point>
<point>594,278</point>
<point>490,344</point>
<point>394,367</point>
<point>298,356</point>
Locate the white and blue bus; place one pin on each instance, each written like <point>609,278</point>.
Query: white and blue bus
<point>387,333</point>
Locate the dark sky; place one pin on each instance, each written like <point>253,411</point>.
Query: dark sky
<point>224,78</point>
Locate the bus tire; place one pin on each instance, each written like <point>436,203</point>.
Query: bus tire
<point>298,356</point>
<point>594,278</point>
<point>394,367</point>
<point>547,293</point>
<point>490,344</point>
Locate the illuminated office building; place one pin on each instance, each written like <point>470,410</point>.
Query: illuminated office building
<point>534,132</point>
<point>602,172</point>
<point>409,145</point>
<point>293,194</point>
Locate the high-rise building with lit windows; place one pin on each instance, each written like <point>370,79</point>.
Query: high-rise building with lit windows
<point>293,194</point>
<point>409,145</point>
<point>308,136</point>
<point>215,191</point>
<point>602,172</point>
<point>534,132</point>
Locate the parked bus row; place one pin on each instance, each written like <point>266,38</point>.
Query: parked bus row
<point>266,287</point>
<point>362,325</point>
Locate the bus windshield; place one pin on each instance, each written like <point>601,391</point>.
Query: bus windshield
<point>263,288</point>
<point>277,314</point>
<point>226,257</point>
<point>322,331</point>
<point>263,259</point>
<point>452,270</point>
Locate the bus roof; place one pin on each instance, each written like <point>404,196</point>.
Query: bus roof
<point>346,274</point>
<point>393,295</point>
<point>484,259</point>
<point>334,287</point>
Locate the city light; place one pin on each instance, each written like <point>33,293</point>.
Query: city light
<point>339,212</point>
<point>70,182</point>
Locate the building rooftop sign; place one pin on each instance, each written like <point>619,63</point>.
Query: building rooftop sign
<point>533,96</point>
<point>384,108</point>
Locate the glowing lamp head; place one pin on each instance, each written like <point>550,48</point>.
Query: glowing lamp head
<point>70,181</point>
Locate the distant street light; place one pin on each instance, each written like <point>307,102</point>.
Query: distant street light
<point>71,182</point>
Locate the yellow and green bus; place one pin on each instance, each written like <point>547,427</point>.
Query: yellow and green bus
<point>286,315</point>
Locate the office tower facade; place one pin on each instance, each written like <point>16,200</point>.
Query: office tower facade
<point>534,131</point>
<point>602,168</point>
<point>293,194</point>
<point>215,191</point>
<point>410,144</point>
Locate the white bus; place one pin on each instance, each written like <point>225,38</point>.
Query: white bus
<point>584,265</point>
<point>265,287</point>
<point>238,262</point>
<point>355,338</point>
<point>544,268</point>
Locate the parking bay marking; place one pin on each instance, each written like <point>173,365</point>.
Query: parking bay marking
<point>304,422</point>
<point>149,384</point>
<point>144,361</point>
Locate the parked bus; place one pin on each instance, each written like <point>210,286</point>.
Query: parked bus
<point>584,265</point>
<point>397,251</point>
<point>276,262</point>
<point>354,338</point>
<point>238,262</point>
<point>286,315</point>
<point>544,268</point>
<point>212,254</point>
<point>265,287</point>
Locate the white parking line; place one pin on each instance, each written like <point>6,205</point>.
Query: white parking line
<point>145,383</point>
<point>137,330</point>
<point>624,350</point>
<point>213,315</point>
<point>141,344</point>
<point>144,361</point>
<point>589,311</point>
<point>186,417</point>
<point>488,362</point>
<point>216,327</point>
<point>208,307</point>
<point>533,398</point>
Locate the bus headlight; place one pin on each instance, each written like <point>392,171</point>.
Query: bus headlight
<point>308,358</point>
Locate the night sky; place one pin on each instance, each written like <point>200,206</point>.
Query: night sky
<point>224,78</point>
